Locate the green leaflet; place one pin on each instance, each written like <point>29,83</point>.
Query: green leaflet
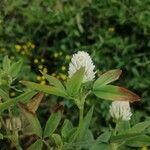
<point>45,88</point>
<point>74,83</point>
<point>52,123</point>
<point>111,92</point>
<point>15,68</point>
<point>54,81</point>
<point>107,78</point>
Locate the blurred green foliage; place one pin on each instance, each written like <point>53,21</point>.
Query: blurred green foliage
<point>115,33</point>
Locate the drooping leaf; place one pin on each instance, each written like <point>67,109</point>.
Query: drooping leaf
<point>32,119</point>
<point>45,88</point>
<point>21,98</point>
<point>36,145</point>
<point>15,68</point>
<point>52,123</point>
<point>35,102</point>
<point>54,81</point>
<point>107,78</point>
<point>57,139</point>
<point>74,83</point>
<point>111,92</point>
<point>67,126</point>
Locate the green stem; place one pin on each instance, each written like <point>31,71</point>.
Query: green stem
<point>49,148</point>
<point>81,115</point>
<point>115,145</point>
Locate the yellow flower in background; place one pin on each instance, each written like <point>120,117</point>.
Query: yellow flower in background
<point>111,29</point>
<point>36,61</point>
<point>63,68</point>
<point>56,55</point>
<point>40,66</point>
<point>62,76</point>
<point>67,57</point>
<point>43,78</point>
<point>144,148</point>
<point>39,78</point>
<point>23,52</point>
<point>43,82</point>
<point>29,44</point>
<point>53,74</point>
<point>42,60</point>
<point>25,47</point>
<point>32,46</point>
<point>45,70</point>
<point>18,48</point>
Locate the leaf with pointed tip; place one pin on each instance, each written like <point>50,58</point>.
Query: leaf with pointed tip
<point>54,81</point>
<point>111,92</point>
<point>140,141</point>
<point>67,126</point>
<point>52,123</point>
<point>15,68</point>
<point>57,139</point>
<point>124,137</point>
<point>139,127</point>
<point>4,95</point>
<point>6,63</point>
<point>107,78</point>
<point>32,119</point>
<point>44,88</point>
<point>74,83</point>
<point>21,98</point>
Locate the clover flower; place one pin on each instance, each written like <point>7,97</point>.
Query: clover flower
<point>13,123</point>
<point>120,110</point>
<point>82,59</point>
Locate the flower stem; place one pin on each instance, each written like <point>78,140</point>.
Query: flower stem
<point>81,115</point>
<point>115,145</point>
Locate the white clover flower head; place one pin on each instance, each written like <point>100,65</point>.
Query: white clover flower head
<point>120,110</point>
<point>82,59</point>
<point>13,123</point>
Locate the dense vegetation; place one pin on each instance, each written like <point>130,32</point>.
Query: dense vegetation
<point>46,33</point>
